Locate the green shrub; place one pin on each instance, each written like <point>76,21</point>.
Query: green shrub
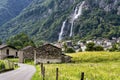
<point>2,65</point>
<point>90,46</point>
<point>70,50</point>
<point>99,48</point>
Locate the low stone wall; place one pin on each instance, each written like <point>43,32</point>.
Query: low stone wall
<point>48,61</point>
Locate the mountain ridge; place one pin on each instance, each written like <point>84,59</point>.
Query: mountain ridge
<point>42,20</point>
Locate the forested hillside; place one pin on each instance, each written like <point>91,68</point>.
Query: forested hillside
<point>11,8</point>
<point>43,19</point>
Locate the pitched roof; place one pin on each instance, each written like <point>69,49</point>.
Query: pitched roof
<point>48,44</point>
<point>4,46</point>
<point>28,47</point>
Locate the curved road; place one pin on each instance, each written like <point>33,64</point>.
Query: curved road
<point>25,72</point>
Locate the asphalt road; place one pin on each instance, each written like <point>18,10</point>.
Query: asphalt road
<point>25,72</point>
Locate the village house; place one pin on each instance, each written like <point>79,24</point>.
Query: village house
<point>46,53</point>
<point>89,41</point>
<point>26,53</point>
<point>49,53</point>
<point>7,51</point>
<point>82,45</point>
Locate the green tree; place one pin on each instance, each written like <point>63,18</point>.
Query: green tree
<point>70,50</point>
<point>114,48</point>
<point>20,41</point>
<point>99,48</point>
<point>90,46</point>
<point>39,43</point>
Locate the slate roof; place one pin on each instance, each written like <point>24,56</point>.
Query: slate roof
<point>48,44</point>
<point>4,46</point>
<point>27,48</point>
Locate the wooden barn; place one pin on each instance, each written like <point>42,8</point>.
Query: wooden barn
<point>7,51</point>
<point>26,53</point>
<point>49,53</point>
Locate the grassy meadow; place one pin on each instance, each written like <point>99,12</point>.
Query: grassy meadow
<point>95,65</point>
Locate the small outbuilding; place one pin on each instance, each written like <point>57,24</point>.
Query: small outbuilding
<point>7,51</point>
<point>26,53</point>
<point>49,53</point>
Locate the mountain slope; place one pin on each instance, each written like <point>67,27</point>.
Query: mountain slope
<point>42,20</point>
<point>11,8</point>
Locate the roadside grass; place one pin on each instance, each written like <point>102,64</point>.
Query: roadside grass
<point>15,60</point>
<point>95,65</point>
<point>6,65</point>
<point>29,61</point>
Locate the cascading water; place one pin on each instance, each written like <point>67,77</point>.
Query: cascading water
<point>62,31</point>
<point>77,13</point>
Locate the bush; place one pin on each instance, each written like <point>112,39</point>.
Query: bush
<point>114,48</point>
<point>70,50</point>
<point>2,66</point>
<point>90,46</point>
<point>99,48</point>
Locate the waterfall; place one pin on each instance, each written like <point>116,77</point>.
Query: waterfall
<point>77,13</point>
<point>62,31</point>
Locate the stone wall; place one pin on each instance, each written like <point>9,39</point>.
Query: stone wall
<point>48,53</point>
<point>26,53</point>
<point>40,60</point>
<point>21,57</point>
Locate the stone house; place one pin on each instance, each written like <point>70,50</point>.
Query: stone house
<point>49,53</point>
<point>26,53</point>
<point>7,51</point>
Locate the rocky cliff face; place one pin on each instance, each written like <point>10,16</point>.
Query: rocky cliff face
<point>43,19</point>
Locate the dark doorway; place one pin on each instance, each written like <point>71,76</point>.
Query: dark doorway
<point>7,52</point>
<point>16,54</point>
<point>48,62</point>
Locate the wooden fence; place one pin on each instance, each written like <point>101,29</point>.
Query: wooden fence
<point>57,73</point>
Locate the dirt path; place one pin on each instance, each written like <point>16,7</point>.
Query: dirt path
<point>25,72</point>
